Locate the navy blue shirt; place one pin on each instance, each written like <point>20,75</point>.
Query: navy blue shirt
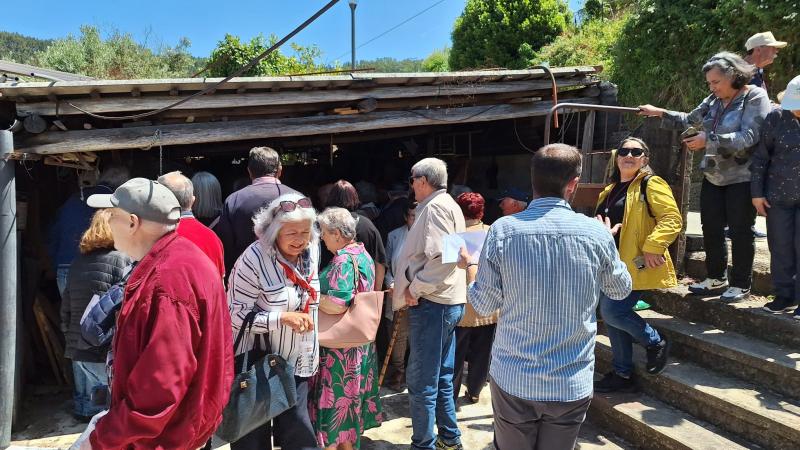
<point>72,221</point>
<point>776,161</point>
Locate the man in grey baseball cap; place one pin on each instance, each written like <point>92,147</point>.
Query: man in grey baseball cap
<point>173,355</point>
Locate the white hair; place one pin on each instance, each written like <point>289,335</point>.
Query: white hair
<point>338,219</point>
<point>268,221</point>
<point>434,170</point>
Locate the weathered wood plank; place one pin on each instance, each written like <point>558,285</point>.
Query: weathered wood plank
<point>246,100</point>
<point>194,133</point>
<point>294,82</point>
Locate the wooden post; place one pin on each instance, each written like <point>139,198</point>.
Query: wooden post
<point>8,286</point>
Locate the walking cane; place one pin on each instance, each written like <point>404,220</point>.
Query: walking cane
<point>398,322</point>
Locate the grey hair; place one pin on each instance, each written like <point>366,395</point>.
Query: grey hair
<point>208,193</point>
<point>739,71</point>
<point>338,219</point>
<point>268,221</point>
<point>114,176</point>
<point>434,170</point>
<point>180,186</point>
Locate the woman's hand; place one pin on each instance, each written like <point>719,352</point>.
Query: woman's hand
<point>696,143</point>
<point>299,322</point>
<point>607,222</point>
<point>651,111</point>
<point>652,260</point>
<point>762,205</point>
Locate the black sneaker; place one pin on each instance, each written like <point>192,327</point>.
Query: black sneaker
<point>613,382</point>
<point>657,357</point>
<point>442,445</point>
<point>780,305</point>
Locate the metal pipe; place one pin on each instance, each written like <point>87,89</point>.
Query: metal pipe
<point>8,285</point>
<point>353,35</point>
<point>583,107</point>
<point>555,88</point>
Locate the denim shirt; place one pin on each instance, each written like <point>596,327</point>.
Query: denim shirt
<point>776,162</point>
<point>731,133</point>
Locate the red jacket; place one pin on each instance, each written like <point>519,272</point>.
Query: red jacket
<point>173,355</point>
<point>202,236</point>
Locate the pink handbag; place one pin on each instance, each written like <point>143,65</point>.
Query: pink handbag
<point>356,326</point>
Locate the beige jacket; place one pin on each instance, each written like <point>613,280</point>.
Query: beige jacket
<point>420,265</point>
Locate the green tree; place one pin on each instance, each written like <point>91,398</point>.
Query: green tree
<point>501,33</point>
<point>232,53</point>
<point>391,65</point>
<point>118,56</point>
<point>438,61</point>
<point>21,49</point>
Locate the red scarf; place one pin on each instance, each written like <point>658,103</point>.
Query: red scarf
<point>303,283</point>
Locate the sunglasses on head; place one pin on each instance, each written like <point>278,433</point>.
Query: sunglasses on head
<point>635,152</point>
<point>288,206</point>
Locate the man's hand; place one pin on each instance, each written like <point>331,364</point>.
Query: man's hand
<point>607,222</point>
<point>696,143</point>
<point>410,300</point>
<point>651,111</point>
<point>762,205</point>
<point>652,260</point>
<point>463,258</point>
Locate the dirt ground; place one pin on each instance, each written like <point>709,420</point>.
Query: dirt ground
<point>48,424</point>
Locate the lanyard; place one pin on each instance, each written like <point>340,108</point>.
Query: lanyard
<point>724,110</point>
<point>303,283</point>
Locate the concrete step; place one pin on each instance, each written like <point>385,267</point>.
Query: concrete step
<point>651,424</point>
<point>762,278</point>
<point>756,414</point>
<point>769,365</point>
<point>746,317</point>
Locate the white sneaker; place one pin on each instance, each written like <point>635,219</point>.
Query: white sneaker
<point>708,286</point>
<point>734,294</point>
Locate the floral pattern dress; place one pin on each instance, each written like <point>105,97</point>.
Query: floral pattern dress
<point>344,400</point>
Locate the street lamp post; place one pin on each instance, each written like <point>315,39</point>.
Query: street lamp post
<point>353,4</point>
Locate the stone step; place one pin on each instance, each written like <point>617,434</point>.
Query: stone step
<point>770,365</point>
<point>762,278</point>
<point>651,424</point>
<point>738,407</point>
<point>746,317</point>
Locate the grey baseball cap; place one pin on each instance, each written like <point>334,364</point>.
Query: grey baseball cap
<point>148,199</point>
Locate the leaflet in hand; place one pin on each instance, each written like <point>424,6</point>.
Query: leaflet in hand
<point>452,243</point>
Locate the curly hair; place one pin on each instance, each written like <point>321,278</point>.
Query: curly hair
<point>472,205</point>
<point>98,236</point>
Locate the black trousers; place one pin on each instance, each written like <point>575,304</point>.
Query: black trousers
<point>292,429</point>
<point>473,344</point>
<point>732,206</point>
<point>783,236</point>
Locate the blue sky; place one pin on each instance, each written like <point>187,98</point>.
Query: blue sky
<point>205,22</point>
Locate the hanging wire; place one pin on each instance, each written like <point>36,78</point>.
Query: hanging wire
<point>516,133</point>
<point>216,86</point>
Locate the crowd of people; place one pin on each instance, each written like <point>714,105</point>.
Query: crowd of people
<point>269,261</point>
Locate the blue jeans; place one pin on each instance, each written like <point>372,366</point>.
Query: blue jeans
<point>62,272</point>
<point>783,236</point>
<point>429,376</point>
<point>91,387</point>
<point>624,326</point>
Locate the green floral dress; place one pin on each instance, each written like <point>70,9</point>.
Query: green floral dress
<point>344,400</point>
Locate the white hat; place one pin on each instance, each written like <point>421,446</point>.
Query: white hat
<point>791,98</point>
<point>762,39</point>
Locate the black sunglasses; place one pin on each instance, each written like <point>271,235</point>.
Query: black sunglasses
<point>412,178</point>
<point>635,152</point>
<point>288,206</point>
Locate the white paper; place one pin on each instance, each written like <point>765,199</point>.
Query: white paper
<point>452,243</point>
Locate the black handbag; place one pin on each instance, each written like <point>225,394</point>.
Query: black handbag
<point>260,390</point>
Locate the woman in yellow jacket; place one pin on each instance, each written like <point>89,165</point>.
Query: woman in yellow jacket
<point>644,219</point>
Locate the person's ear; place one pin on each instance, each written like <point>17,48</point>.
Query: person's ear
<point>134,223</point>
<point>572,188</point>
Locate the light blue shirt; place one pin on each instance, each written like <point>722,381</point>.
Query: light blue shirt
<point>544,268</point>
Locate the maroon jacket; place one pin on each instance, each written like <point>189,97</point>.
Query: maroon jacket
<point>173,355</point>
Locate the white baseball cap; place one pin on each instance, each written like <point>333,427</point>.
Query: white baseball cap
<point>763,39</point>
<point>791,98</point>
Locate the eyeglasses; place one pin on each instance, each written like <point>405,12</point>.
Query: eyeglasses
<point>412,178</point>
<point>635,152</point>
<point>288,206</point>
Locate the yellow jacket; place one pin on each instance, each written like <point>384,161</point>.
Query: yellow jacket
<point>642,233</point>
